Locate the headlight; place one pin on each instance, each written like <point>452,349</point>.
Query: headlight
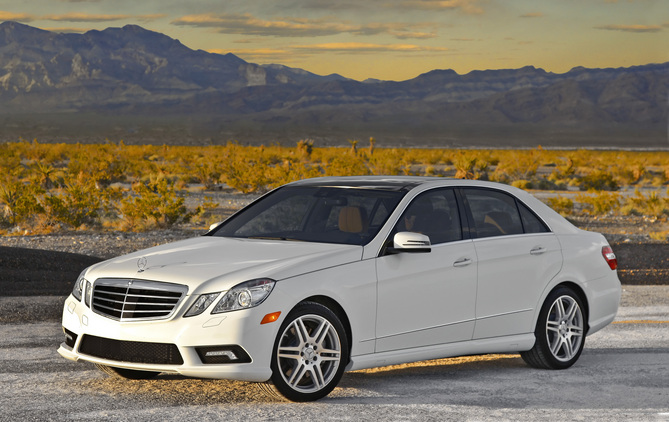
<point>245,295</point>
<point>79,286</point>
<point>201,304</point>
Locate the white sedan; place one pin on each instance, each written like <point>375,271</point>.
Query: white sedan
<point>328,275</point>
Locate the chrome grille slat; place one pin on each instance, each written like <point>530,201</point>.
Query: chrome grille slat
<point>97,305</point>
<point>145,296</point>
<point>133,300</point>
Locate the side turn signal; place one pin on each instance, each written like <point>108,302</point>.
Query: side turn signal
<point>270,318</point>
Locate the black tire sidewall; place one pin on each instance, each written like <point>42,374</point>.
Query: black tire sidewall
<point>309,308</point>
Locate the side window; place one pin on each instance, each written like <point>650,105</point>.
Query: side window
<point>495,213</point>
<point>531,222</point>
<point>435,214</point>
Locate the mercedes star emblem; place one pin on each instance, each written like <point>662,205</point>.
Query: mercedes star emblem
<point>141,264</point>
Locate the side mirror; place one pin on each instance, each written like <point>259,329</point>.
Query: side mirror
<point>410,242</point>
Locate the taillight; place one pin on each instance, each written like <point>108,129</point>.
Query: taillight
<point>610,257</point>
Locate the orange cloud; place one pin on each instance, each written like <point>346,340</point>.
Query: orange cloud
<point>357,47</point>
<point>84,17</point>
<point>247,24</point>
<point>18,17</point>
<point>466,6</point>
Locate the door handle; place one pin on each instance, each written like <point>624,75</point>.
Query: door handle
<point>537,250</point>
<point>462,262</point>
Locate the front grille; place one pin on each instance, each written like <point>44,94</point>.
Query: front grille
<point>132,300</point>
<point>130,351</point>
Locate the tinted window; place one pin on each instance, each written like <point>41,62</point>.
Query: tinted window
<point>284,216</point>
<point>314,214</point>
<point>495,213</point>
<point>435,214</point>
<point>531,222</point>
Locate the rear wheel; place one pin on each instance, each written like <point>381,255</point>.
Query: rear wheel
<point>127,373</point>
<point>309,355</point>
<point>560,331</point>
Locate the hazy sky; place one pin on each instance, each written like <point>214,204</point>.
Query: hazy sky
<point>385,39</point>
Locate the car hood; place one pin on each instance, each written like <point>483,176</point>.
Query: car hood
<point>218,263</point>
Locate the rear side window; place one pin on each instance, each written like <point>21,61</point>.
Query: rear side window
<point>495,213</point>
<point>531,222</point>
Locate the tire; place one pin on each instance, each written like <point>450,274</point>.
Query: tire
<point>131,374</point>
<point>560,331</point>
<point>310,354</point>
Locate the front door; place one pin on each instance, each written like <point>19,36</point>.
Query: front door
<point>428,298</point>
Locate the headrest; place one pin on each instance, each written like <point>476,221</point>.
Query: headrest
<point>499,219</point>
<point>352,219</point>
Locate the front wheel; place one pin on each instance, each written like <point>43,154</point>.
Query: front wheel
<point>309,355</point>
<point>560,331</point>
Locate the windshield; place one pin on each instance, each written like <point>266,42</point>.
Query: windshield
<point>344,215</point>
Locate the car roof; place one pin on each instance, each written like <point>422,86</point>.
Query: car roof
<point>394,183</point>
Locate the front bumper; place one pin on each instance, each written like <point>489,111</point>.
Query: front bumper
<point>239,329</point>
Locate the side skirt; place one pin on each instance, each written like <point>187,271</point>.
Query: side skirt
<point>507,344</point>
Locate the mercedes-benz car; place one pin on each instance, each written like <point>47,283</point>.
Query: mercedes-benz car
<point>328,275</point>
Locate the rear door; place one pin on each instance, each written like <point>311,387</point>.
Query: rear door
<point>517,257</point>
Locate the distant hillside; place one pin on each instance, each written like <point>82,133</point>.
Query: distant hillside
<point>142,86</point>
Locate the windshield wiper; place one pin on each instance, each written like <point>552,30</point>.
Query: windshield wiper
<point>275,238</point>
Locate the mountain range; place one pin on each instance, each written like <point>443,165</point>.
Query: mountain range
<point>142,86</point>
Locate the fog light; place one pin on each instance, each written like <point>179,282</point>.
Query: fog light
<point>222,354</point>
<point>227,353</point>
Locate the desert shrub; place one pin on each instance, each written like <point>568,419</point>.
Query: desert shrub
<point>522,184</point>
<point>19,201</point>
<point>518,165</point>
<point>76,203</point>
<point>346,164</point>
<point>662,236</point>
<point>598,180</point>
<point>206,172</point>
<point>561,204</point>
<point>44,174</point>
<point>386,162</point>
<point>599,203</point>
<point>153,204</point>
<point>430,171</point>
<point>651,205</point>
<point>470,166</point>
<point>306,146</point>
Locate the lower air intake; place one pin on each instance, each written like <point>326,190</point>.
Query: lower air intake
<point>131,351</point>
